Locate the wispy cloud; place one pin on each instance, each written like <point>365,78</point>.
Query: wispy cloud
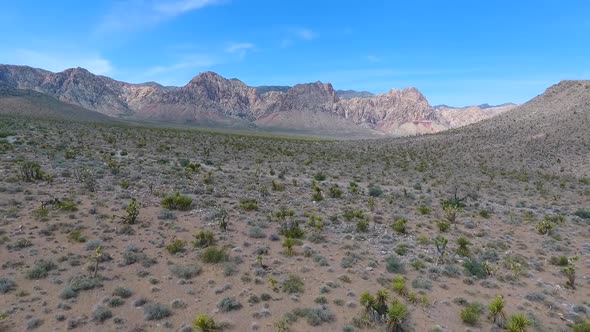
<point>131,15</point>
<point>239,48</point>
<point>294,34</point>
<point>305,34</point>
<point>56,62</point>
<point>372,58</point>
<point>187,62</point>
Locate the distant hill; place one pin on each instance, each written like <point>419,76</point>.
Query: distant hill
<point>35,104</point>
<point>348,94</point>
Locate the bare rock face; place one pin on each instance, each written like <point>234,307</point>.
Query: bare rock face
<point>209,98</point>
<point>459,117</point>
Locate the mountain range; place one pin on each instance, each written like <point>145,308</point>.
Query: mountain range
<point>212,100</point>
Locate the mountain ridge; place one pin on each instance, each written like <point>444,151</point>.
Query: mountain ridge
<point>210,98</point>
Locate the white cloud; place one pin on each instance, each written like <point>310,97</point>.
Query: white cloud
<point>135,14</point>
<point>239,48</point>
<point>372,58</point>
<point>58,61</point>
<point>305,34</point>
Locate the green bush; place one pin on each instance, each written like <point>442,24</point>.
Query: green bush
<point>375,191</point>
<point>214,255</point>
<point>123,292</point>
<point>475,268</point>
<point>156,311</point>
<point>249,204</point>
<point>41,269</point>
<point>185,271</point>
<point>204,323</point>
<point>176,246</point>
<point>293,284</point>
<point>582,213</point>
<point>518,323</point>
<point>228,304</point>
<point>177,202</point>
<point>394,265</point>
<point>470,314</point>
<point>399,225</point>
<point>319,176</point>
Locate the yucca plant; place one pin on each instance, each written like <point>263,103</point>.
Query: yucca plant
<point>381,302</point>
<point>368,302</point>
<point>570,272</point>
<point>204,323</point>
<point>288,244</point>
<point>518,323</point>
<point>463,249</point>
<point>496,309</point>
<point>395,316</point>
<point>399,285</point>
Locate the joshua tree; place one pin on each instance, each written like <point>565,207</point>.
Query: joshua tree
<point>97,256</point>
<point>132,212</point>
<point>441,245</point>
<point>223,219</point>
<point>570,272</point>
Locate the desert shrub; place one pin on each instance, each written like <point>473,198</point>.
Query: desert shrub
<point>401,249</point>
<point>277,186</point>
<point>79,283</point>
<point>484,214</point>
<point>29,171</point>
<point>423,209</point>
<point>214,255</point>
<point>156,311</point>
<point>319,176</point>
<point>41,269</point>
<point>443,226</point>
<point>583,213</point>
<point>362,226</point>
<point>293,284</point>
<point>229,269</point>
<point>203,239</point>
<point>176,246</point>
<point>559,261</point>
<point>248,204</point>
<point>204,323</point>
<point>177,202</point>
<point>375,190</point>
<point>399,225</point>
<point>68,293</point>
<point>76,236</point>
<point>581,327</point>
<point>122,292</point>
<point>393,264</point>
<point>66,205</point>
<point>185,271</point>
<point>470,314</point>
<point>93,244</point>
<point>228,304</point>
<point>313,316</point>
<point>291,229</point>
<point>475,268</point>
<point>256,233</point>
<point>100,314</point>
<point>6,285</point>
<point>115,301</point>
<point>544,227</point>
<point>334,191</point>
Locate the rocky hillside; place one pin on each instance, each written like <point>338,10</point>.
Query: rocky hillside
<point>210,99</point>
<point>459,117</point>
<point>31,103</point>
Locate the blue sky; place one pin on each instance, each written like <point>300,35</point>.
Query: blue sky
<point>455,52</point>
